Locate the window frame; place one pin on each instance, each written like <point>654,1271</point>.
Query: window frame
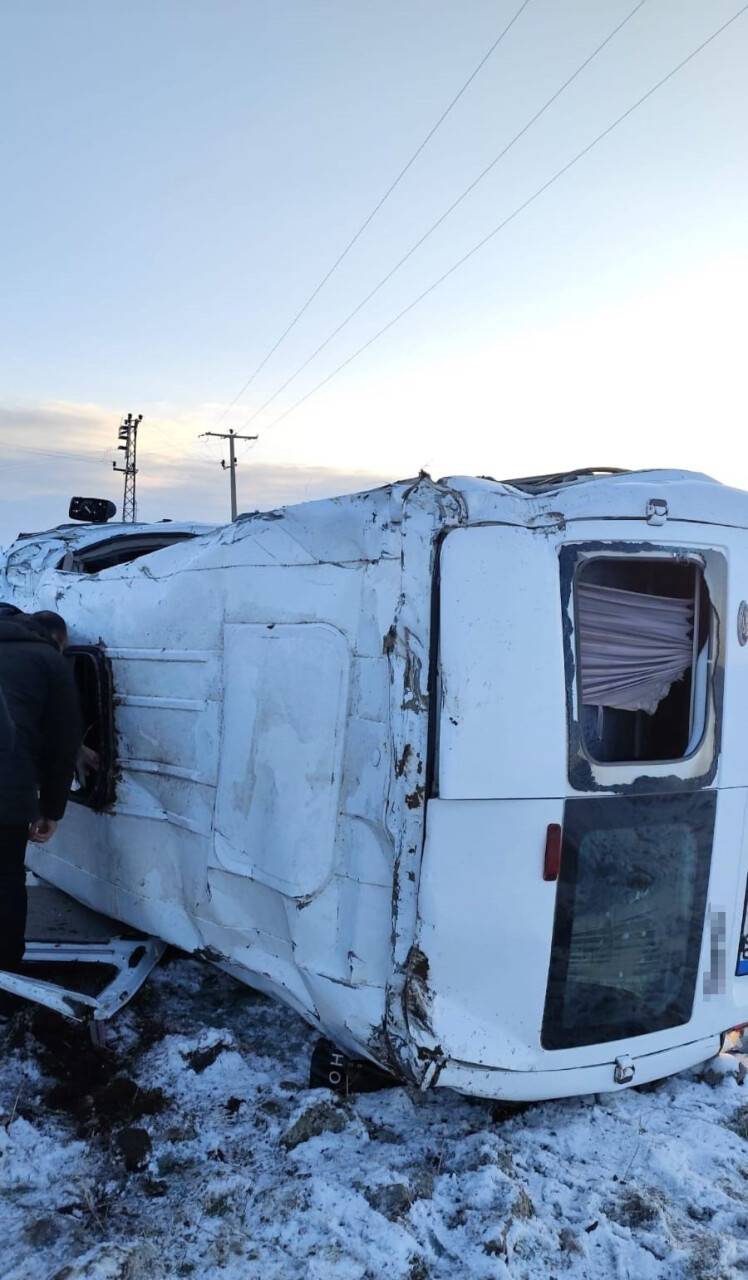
<point>695,559</point>
<point>99,794</point>
<point>74,560</point>
<point>698,769</point>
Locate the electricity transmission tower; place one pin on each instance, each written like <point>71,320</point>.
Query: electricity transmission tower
<point>128,434</point>
<point>229,466</point>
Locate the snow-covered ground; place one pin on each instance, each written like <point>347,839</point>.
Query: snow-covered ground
<point>238,1170</point>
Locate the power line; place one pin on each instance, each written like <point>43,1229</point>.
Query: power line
<point>510,217</point>
<point>56,453</point>
<point>167,432</point>
<point>442,218</point>
<point>370,217</point>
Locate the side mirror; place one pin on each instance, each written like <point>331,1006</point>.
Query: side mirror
<point>92,510</point>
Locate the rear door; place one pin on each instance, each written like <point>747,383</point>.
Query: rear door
<point>485,912</point>
<point>527,972</point>
<point>502,722</point>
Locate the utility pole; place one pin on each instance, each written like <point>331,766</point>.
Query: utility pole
<point>128,432</point>
<point>229,466</point>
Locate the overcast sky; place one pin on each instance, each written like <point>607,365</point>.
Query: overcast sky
<point>178,177</point>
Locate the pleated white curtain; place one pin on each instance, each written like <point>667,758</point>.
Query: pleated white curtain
<point>632,646</point>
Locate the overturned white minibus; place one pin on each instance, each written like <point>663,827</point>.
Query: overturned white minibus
<point>457,770</point>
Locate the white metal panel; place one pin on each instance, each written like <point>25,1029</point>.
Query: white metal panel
<point>182,733</point>
<point>557,1082</point>
<point>285,702</point>
<point>485,927</point>
<point>503,712</point>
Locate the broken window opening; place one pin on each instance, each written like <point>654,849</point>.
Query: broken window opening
<point>93,677</point>
<point>643,628</point>
<point>121,549</point>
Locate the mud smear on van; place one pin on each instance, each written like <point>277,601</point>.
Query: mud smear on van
<point>398,645</point>
<point>416,699</point>
<point>417,994</point>
<point>402,763</point>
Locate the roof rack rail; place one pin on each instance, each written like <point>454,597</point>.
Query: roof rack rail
<point>542,484</point>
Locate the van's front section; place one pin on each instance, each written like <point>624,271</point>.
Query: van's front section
<point>581,917</point>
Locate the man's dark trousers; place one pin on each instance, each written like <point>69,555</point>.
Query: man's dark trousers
<point>12,895</point>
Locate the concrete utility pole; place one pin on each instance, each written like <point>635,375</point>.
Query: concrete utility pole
<point>229,466</point>
<point>128,433</point>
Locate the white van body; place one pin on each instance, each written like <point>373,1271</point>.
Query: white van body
<point>345,732</point>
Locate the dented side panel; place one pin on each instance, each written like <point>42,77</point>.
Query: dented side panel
<point>311,920</point>
<point>281,754</point>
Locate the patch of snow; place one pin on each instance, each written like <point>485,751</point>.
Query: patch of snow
<point>249,1173</point>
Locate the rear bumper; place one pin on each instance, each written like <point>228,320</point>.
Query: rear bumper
<point>538,1086</point>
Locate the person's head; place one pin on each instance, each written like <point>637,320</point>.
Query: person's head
<point>52,625</point>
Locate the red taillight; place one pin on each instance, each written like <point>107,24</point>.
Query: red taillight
<point>552,863</point>
<point>742,1026</point>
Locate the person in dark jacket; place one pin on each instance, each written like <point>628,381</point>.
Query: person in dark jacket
<point>36,771</point>
<point>7,727</point>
